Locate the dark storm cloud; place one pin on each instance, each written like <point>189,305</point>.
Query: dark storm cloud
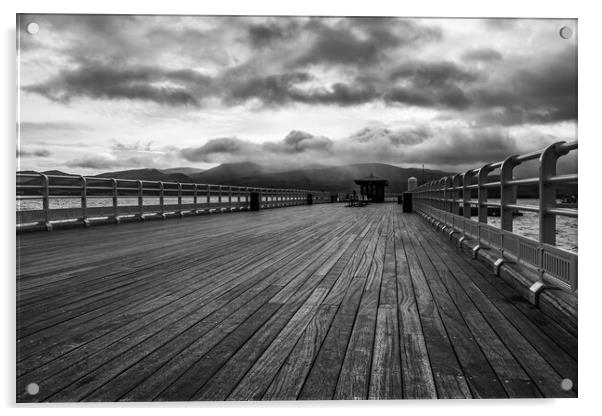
<point>428,74</point>
<point>216,148</point>
<point>343,45</point>
<point>478,146</point>
<point>279,62</point>
<point>271,89</point>
<point>275,30</point>
<point>33,153</point>
<point>543,93</point>
<point>298,142</point>
<point>431,84</point>
<point>233,149</point>
<point>139,83</point>
<point>338,94</point>
<point>483,55</point>
<point>287,88</point>
<point>447,96</point>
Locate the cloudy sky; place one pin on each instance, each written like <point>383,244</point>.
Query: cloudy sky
<point>100,93</point>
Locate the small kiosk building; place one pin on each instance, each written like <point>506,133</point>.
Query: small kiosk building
<point>373,187</point>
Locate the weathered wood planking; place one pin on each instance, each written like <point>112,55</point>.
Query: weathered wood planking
<point>312,302</point>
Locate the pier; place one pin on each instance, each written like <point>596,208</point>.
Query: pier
<point>311,301</point>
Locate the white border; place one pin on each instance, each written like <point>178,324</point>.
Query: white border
<point>589,172</point>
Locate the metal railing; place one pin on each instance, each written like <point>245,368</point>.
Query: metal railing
<point>43,200</point>
<point>445,199</point>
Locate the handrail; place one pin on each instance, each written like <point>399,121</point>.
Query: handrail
<point>80,195</point>
<point>441,200</point>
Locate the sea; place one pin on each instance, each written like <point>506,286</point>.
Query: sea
<point>525,225</point>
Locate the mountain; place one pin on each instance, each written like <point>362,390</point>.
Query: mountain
<point>147,175</point>
<point>225,173</point>
<point>332,179</point>
<point>182,170</point>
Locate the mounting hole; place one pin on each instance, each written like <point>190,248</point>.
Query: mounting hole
<point>566,384</point>
<point>33,28</point>
<point>32,389</point>
<point>566,32</point>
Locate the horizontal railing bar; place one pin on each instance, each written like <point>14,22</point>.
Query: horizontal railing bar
<point>563,178</point>
<point>528,156</point>
<point>530,208</point>
<point>566,212</point>
<point>524,181</point>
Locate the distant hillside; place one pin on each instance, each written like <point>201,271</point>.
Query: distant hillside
<point>228,172</point>
<point>147,175</point>
<point>182,170</point>
<point>331,179</point>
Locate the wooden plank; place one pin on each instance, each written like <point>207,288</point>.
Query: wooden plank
<point>354,377</point>
<point>223,382</point>
<point>256,381</point>
<point>511,375</point>
<point>385,380</point>
<point>417,376</point>
<point>449,377</point>
<point>482,380</point>
<point>321,382</point>
<point>290,378</point>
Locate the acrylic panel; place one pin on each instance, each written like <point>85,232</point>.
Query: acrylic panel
<point>218,208</point>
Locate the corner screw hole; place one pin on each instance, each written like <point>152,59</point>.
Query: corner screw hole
<point>566,32</point>
<point>33,28</point>
<point>566,384</point>
<point>33,389</point>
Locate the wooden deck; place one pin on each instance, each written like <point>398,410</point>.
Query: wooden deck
<point>307,302</point>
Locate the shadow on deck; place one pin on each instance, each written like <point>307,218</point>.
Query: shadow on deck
<point>308,302</point>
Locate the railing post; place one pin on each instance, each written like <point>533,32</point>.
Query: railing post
<point>482,207</point>
<point>162,198</point>
<point>195,196</point>
<point>219,197</point>
<point>466,193</point>
<point>46,202</point>
<point>446,194</point>
<point>208,198</point>
<point>141,199</point>
<point>115,202</point>
<point>84,201</point>
<point>547,193</point>
<point>229,198</point>
<point>180,199</point>
<point>238,198</point>
<point>507,193</point>
<point>456,189</point>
